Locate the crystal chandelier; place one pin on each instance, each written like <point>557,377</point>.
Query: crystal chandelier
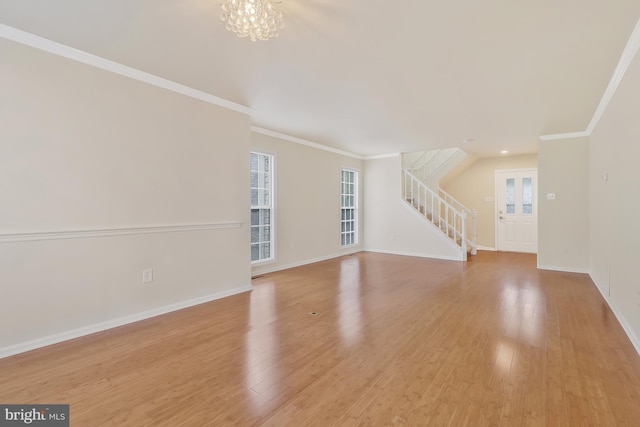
<point>256,19</point>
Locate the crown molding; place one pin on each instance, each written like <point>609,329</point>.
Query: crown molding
<point>629,52</point>
<point>564,136</point>
<point>59,49</point>
<point>64,51</point>
<point>55,48</point>
<point>301,141</point>
<point>382,156</point>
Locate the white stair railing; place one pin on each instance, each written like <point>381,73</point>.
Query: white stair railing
<point>471,219</point>
<point>451,221</point>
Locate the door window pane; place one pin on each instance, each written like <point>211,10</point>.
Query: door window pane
<point>511,195</point>
<point>527,195</point>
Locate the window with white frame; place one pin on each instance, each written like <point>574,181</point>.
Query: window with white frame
<point>349,208</point>
<point>262,218</point>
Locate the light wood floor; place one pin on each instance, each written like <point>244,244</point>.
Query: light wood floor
<point>396,341</point>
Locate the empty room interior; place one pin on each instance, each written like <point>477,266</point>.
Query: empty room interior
<point>320,212</point>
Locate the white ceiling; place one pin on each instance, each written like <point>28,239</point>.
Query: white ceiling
<point>370,76</point>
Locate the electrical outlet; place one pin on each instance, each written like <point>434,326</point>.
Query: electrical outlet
<point>147,275</point>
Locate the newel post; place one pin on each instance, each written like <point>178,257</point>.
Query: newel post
<point>474,232</point>
<point>463,243</point>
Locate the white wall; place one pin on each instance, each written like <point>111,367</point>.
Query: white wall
<point>307,191</point>
<point>563,223</point>
<point>391,225</point>
<point>615,203</point>
<point>83,149</point>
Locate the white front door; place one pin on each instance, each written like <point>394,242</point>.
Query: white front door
<point>517,210</point>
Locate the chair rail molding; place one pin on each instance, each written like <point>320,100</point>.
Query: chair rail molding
<point>110,232</point>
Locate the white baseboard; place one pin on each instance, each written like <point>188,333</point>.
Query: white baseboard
<point>420,255</point>
<point>486,248</point>
<point>563,269</point>
<point>109,324</point>
<point>273,268</point>
<point>621,319</point>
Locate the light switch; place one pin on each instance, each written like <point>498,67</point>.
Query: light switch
<point>551,196</point>
<point>147,275</point>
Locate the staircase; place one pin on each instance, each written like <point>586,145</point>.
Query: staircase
<point>454,220</point>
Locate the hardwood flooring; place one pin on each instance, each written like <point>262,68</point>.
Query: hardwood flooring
<point>393,341</point>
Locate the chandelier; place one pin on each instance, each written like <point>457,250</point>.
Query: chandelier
<point>256,19</point>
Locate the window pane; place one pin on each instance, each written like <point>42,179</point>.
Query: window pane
<point>254,234</point>
<point>527,195</point>
<point>511,195</point>
<point>265,250</point>
<point>265,216</point>
<point>255,252</point>
<point>266,234</point>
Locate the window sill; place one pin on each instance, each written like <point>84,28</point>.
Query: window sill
<point>263,262</point>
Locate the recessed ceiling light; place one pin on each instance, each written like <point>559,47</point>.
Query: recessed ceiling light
<point>504,152</point>
<point>467,140</point>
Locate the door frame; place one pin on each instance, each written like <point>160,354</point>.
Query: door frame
<point>495,198</point>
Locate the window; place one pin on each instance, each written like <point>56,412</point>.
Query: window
<point>349,208</point>
<point>261,207</point>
